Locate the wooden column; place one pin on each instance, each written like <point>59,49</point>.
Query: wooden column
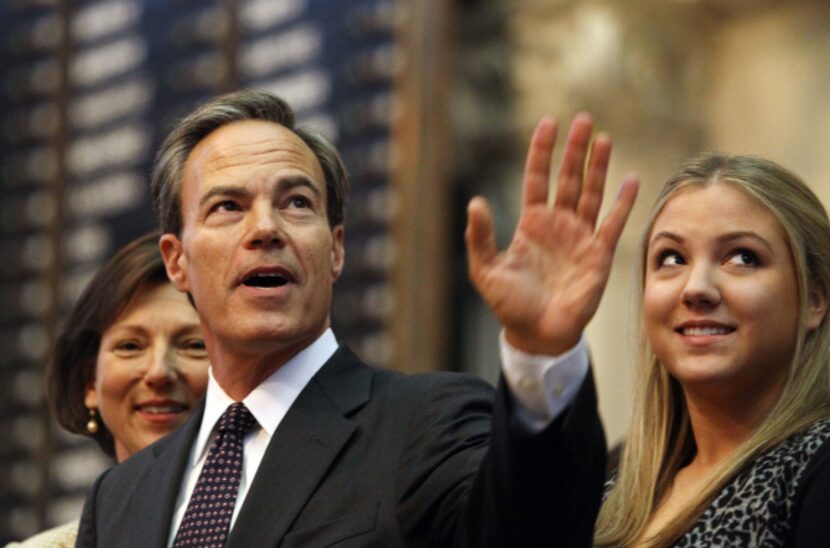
<point>420,178</point>
<point>59,142</point>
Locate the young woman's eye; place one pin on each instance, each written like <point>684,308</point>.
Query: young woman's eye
<point>669,258</point>
<point>744,257</point>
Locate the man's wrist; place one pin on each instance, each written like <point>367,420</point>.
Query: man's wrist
<point>533,346</point>
<point>542,385</point>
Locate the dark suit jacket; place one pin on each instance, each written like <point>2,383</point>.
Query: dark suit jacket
<point>367,457</point>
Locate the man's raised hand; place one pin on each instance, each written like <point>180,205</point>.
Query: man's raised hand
<point>547,285</point>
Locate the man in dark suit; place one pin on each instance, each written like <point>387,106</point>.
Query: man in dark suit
<point>340,453</point>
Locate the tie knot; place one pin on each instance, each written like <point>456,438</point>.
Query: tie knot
<point>236,419</point>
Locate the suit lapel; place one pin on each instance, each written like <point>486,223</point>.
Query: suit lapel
<point>301,451</point>
<point>155,497</point>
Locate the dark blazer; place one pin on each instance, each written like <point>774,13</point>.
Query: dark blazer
<point>368,457</point>
<point>811,507</point>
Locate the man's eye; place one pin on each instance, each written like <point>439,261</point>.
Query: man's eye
<point>744,257</point>
<point>300,202</point>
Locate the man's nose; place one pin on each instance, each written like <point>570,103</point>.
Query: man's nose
<point>701,289</point>
<point>265,227</point>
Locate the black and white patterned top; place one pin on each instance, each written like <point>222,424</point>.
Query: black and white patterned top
<point>758,507</point>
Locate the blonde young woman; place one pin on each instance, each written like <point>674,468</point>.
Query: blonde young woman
<point>728,444</point>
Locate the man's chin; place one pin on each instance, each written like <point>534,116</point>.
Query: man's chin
<point>273,337</point>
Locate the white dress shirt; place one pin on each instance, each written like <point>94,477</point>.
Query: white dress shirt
<point>542,385</point>
<point>268,403</point>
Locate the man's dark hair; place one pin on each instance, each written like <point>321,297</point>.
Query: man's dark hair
<point>233,107</point>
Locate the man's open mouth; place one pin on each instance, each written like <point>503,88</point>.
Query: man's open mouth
<point>264,279</point>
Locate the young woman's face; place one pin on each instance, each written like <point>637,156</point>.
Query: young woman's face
<point>151,369</point>
<point>721,295</point>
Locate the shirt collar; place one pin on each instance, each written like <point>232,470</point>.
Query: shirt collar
<point>269,402</point>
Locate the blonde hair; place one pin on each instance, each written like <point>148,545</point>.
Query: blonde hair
<point>659,439</point>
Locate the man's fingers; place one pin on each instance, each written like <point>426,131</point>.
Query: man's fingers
<point>613,225</point>
<point>590,199</point>
<point>573,162</point>
<point>480,237</point>
<point>537,167</point>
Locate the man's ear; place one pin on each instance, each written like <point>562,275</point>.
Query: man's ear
<point>338,252</point>
<point>175,261</point>
<point>818,306</point>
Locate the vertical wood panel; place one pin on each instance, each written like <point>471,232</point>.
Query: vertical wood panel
<point>420,176</point>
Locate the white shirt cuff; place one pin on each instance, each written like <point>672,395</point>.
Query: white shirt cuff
<point>543,386</point>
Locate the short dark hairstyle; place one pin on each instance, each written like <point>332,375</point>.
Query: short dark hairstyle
<point>233,107</point>
<point>72,368</point>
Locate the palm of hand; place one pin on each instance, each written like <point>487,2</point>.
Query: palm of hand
<point>549,279</point>
<point>548,283</point>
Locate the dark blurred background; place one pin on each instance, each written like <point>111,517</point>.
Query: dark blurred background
<point>430,102</point>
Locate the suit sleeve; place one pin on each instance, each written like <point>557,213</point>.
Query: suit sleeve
<point>473,477</point>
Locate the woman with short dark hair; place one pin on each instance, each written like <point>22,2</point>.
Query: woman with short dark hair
<point>130,363</point>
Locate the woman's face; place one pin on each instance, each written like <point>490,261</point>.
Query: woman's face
<point>151,369</point>
<point>721,296</point>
